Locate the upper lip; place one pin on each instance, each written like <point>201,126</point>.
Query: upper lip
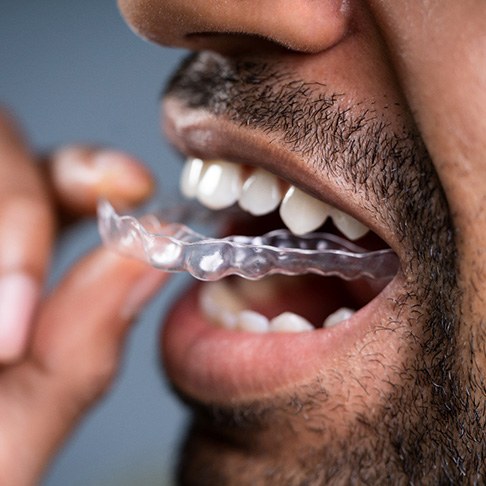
<point>200,134</point>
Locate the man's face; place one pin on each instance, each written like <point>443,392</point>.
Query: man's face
<point>378,111</point>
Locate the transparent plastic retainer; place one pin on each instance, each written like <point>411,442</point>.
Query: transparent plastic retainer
<point>174,247</point>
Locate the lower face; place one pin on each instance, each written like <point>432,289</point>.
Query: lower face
<point>373,398</point>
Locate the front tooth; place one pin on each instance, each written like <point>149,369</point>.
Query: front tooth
<point>340,315</point>
<point>260,193</point>
<point>220,184</point>
<point>190,177</point>
<point>302,213</point>
<point>251,321</point>
<point>348,226</point>
<point>290,322</point>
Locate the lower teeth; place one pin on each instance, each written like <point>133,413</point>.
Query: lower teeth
<point>290,322</point>
<point>226,309</point>
<point>339,316</point>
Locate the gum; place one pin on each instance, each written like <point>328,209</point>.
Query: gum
<point>174,247</point>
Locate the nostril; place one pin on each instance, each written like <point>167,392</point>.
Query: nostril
<point>234,43</point>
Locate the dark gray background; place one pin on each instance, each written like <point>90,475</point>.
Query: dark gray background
<point>73,72</point>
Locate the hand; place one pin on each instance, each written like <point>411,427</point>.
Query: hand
<point>58,354</point>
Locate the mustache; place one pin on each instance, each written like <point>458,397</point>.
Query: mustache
<point>357,147</point>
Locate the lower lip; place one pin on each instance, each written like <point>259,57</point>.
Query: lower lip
<point>214,365</point>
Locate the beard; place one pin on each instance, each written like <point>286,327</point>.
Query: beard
<point>426,429</point>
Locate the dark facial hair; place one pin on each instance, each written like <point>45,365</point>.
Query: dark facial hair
<point>428,430</point>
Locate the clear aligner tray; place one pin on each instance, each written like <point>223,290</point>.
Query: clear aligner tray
<point>174,247</point>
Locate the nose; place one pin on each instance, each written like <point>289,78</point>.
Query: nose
<point>221,25</point>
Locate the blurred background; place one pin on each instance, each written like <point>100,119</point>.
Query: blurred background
<point>73,72</point>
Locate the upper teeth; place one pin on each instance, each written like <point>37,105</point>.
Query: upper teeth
<point>261,193</point>
<point>347,225</point>
<point>219,184</point>
<point>303,213</point>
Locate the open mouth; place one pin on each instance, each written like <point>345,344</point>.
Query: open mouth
<point>271,305</point>
<point>267,306</point>
<point>236,338</point>
<point>280,305</point>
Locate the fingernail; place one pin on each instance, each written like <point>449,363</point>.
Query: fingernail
<point>121,178</point>
<point>141,292</point>
<point>19,294</point>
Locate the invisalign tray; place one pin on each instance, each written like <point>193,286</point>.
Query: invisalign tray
<point>173,247</point>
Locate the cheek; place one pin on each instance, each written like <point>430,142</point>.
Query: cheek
<point>465,190</point>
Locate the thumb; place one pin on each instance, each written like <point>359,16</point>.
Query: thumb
<point>74,356</point>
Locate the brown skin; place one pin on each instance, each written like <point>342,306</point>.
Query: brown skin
<point>440,69</point>
<point>430,54</point>
<point>436,50</point>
